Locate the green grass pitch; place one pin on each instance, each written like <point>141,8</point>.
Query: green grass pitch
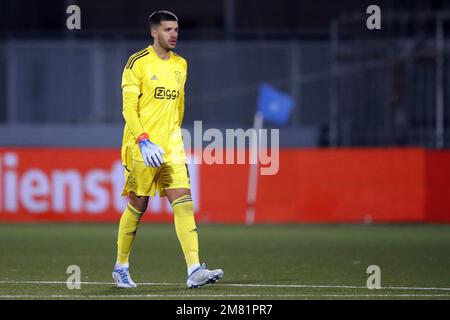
<point>265,262</point>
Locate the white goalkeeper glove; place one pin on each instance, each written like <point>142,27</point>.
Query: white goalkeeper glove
<point>152,154</point>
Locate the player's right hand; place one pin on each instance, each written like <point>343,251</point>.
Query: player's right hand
<point>152,154</point>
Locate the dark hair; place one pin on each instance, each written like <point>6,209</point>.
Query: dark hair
<point>161,15</point>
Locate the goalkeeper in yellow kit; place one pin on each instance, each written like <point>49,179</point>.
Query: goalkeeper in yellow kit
<point>153,152</point>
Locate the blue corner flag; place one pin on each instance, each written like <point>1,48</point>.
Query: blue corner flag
<point>274,105</point>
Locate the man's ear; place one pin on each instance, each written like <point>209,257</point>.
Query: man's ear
<point>153,33</point>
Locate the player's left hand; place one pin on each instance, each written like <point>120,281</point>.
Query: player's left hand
<point>152,154</point>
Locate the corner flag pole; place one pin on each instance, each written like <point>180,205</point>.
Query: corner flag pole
<point>254,167</point>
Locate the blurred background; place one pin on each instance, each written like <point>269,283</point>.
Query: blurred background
<point>354,90</point>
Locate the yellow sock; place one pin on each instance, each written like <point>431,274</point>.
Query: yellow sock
<point>127,230</point>
<point>183,213</point>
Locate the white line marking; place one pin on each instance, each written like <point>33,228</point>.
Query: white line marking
<point>129,296</point>
<point>330,286</point>
<point>256,285</point>
<point>224,295</point>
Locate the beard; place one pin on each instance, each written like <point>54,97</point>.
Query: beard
<point>166,45</point>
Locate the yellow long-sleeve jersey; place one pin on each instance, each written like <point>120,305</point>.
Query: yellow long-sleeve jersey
<point>153,103</point>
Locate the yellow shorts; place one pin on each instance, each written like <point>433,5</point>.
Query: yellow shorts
<point>145,181</point>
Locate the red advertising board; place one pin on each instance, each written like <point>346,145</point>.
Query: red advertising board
<point>313,185</point>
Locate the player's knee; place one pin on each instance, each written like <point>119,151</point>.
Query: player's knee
<point>175,194</point>
<point>139,203</point>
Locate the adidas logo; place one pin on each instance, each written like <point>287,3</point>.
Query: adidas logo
<point>154,77</point>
